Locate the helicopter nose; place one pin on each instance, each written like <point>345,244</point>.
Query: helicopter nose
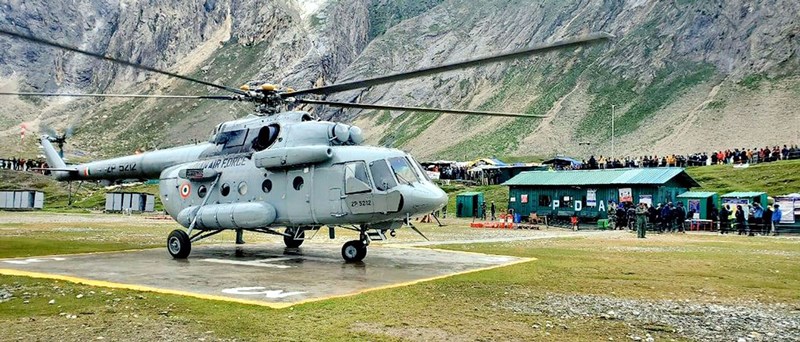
<point>425,199</point>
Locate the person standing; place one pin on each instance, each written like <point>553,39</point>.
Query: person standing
<point>652,217</point>
<point>641,220</point>
<point>724,222</point>
<point>666,218</point>
<point>766,221</point>
<point>776,218</point>
<point>739,219</point>
<point>493,210</point>
<point>483,211</point>
<point>680,217</point>
<point>758,213</point>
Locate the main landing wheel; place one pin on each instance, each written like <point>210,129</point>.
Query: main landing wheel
<point>354,251</point>
<point>178,244</point>
<point>290,242</point>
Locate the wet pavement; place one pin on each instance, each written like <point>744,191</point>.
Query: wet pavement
<point>264,274</point>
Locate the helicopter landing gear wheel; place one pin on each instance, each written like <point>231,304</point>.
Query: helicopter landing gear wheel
<point>290,242</point>
<point>354,251</point>
<point>178,244</point>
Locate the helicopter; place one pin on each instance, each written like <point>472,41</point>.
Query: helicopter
<point>283,168</point>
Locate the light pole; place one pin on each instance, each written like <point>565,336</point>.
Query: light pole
<point>613,152</point>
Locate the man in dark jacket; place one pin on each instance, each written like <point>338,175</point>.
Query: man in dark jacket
<point>680,217</point>
<point>666,218</point>
<point>713,215</point>
<point>652,217</point>
<point>766,221</point>
<point>724,222</point>
<point>740,221</point>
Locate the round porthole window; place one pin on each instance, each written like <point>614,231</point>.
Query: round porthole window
<point>202,191</point>
<point>225,189</point>
<point>242,188</point>
<point>266,186</point>
<point>298,183</point>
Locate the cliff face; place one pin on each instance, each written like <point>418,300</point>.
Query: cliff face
<point>682,75</point>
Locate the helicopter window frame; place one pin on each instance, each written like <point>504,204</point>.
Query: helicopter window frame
<point>403,170</point>
<point>232,138</point>
<point>225,189</point>
<point>265,137</point>
<point>353,182</point>
<point>420,170</point>
<point>298,182</point>
<point>382,175</point>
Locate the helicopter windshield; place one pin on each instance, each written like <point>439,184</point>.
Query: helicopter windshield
<point>403,170</point>
<point>382,175</point>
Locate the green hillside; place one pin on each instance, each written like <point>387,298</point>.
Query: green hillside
<point>777,178</point>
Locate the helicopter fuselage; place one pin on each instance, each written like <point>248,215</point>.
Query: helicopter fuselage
<point>283,170</point>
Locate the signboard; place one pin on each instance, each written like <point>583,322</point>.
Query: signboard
<point>523,198</point>
<point>591,198</point>
<point>733,202</point>
<point>694,205</point>
<point>648,199</point>
<point>787,208</point>
<point>625,195</point>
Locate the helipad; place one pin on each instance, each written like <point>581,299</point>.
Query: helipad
<point>262,274</point>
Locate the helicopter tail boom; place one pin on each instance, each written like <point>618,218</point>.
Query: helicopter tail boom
<point>58,168</point>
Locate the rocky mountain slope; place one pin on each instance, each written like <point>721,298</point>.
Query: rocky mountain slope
<point>682,75</point>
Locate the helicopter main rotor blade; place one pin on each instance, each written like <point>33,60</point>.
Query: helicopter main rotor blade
<point>212,97</point>
<point>116,60</point>
<point>418,109</point>
<point>590,39</point>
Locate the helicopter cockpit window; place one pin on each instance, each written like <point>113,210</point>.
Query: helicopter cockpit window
<point>403,170</point>
<point>232,138</point>
<point>420,170</point>
<point>267,136</point>
<point>382,174</point>
<point>355,178</point>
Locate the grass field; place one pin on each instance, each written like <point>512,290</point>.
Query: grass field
<point>510,303</point>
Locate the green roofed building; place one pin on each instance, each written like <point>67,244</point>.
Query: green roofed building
<point>468,204</point>
<point>699,201</point>
<point>587,193</point>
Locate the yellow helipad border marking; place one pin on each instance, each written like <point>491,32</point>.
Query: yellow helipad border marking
<point>274,305</point>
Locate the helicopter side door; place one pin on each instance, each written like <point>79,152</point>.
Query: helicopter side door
<point>358,190</point>
<point>298,195</point>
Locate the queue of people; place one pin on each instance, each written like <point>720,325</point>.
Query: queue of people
<point>735,156</point>
<point>20,164</point>
<point>664,218</point>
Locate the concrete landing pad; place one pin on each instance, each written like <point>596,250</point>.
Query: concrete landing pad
<point>263,274</point>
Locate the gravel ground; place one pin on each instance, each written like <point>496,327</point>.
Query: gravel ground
<point>741,322</point>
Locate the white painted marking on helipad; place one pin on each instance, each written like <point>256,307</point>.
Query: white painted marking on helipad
<point>256,263</point>
<point>32,261</point>
<point>260,290</point>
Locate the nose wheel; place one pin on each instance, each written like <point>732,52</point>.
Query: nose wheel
<point>178,244</point>
<point>354,251</point>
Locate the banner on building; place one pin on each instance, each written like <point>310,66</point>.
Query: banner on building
<point>733,202</point>
<point>625,195</point>
<point>523,198</point>
<point>694,205</point>
<point>787,208</point>
<point>591,198</point>
<point>646,199</point>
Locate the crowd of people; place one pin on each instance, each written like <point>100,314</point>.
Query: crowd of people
<point>735,156</point>
<point>663,218</point>
<point>481,176</point>
<point>20,164</point>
